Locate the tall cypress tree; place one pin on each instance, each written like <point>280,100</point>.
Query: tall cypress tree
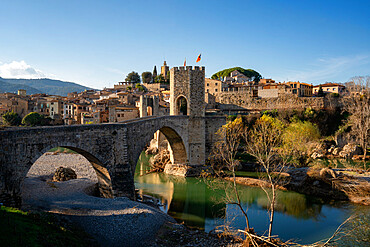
<point>154,72</point>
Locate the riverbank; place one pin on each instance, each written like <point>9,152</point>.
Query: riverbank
<point>329,184</point>
<point>111,222</point>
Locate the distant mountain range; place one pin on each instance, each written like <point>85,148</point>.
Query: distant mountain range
<point>44,85</point>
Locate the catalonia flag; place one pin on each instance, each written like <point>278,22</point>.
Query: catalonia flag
<point>199,57</point>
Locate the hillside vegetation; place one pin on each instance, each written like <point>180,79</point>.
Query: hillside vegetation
<point>254,75</point>
<point>13,88</point>
<point>44,85</point>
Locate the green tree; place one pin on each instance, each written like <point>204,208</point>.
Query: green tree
<point>12,119</point>
<point>320,93</point>
<point>33,119</point>
<point>139,87</point>
<point>252,74</point>
<point>154,73</point>
<point>159,79</point>
<point>133,77</point>
<point>296,137</point>
<point>146,77</point>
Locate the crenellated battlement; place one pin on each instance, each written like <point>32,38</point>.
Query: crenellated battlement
<point>187,68</point>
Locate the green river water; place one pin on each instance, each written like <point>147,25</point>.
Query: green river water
<point>190,200</point>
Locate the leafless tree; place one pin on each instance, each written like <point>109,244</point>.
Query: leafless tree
<point>224,155</point>
<point>357,104</point>
<point>264,142</point>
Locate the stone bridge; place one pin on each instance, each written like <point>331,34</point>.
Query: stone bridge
<point>112,149</point>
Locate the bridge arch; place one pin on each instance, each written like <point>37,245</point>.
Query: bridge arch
<point>176,141</point>
<point>104,179</point>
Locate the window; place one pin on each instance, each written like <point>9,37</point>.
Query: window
<point>216,90</point>
<point>207,90</point>
<point>207,84</point>
<point>216,84</point>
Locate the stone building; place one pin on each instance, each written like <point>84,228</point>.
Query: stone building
<point>165,70</point>
<point>212,86</point>
<point>16,103</point>
<point>329,88</point>
<point>121,113</point>
<point>273,90</point>
<point>300,89</point>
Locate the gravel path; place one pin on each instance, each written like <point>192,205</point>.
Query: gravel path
<point>112,222</point>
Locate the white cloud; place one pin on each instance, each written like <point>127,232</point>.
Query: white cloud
<point>20,70</point>
<point>327,69</point>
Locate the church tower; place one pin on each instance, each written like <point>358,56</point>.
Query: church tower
<point>165,70</point>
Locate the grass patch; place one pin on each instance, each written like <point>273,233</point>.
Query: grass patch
<point>18,228</point>
<point>62,150</point>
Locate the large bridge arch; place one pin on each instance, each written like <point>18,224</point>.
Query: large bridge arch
<point>140,134</point>
<point>104,180</point>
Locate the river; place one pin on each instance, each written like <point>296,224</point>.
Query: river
<point>191,200</point>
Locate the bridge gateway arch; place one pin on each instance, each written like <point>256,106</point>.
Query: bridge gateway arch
<point>114,148</point>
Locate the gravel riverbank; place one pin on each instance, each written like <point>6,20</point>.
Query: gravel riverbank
<point>112,222</point>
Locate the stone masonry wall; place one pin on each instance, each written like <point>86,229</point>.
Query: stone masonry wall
<point>235,100</point>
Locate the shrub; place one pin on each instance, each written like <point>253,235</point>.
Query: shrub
<point>33,119</point>
<point>12,119</point>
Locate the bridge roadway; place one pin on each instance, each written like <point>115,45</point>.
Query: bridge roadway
<point>112,149</point>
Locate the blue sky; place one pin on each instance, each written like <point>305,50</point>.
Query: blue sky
<point>97,43</point>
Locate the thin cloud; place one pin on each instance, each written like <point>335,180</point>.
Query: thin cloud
<point>328,68</point>
<point>20,70</point>
<point>116,71</point>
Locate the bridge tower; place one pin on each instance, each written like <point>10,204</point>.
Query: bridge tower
<point>187,98</point>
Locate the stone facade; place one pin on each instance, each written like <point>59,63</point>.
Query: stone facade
<point>188,83</point>
<point>112,149</point>
<point>243,100</point>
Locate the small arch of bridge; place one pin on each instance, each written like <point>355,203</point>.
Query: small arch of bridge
<point>104,179</point>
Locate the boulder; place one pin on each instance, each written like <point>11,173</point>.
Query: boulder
<point>331,149</point>
<point>327,173</point>
<point>159,161</point>
<point>64,174</point>
<point>336,151</point>
<point>319,151</point>
<point>349,150</point>
<point>317,155</point>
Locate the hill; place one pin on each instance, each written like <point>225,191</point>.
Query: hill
<point>44,85</point>
<point>13,88</point>
<point>254,75</point>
